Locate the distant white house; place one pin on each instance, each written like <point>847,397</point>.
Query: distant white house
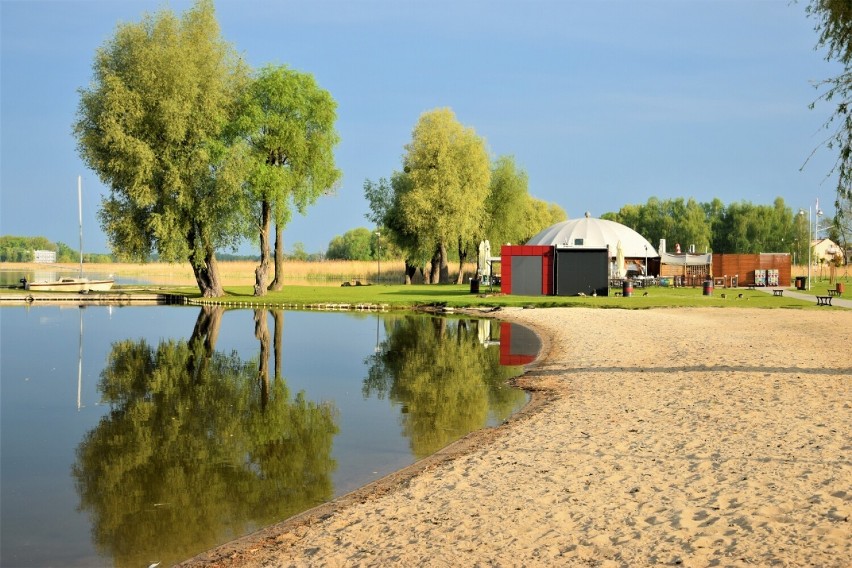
<point>44,256</point>
<point>826,250</point>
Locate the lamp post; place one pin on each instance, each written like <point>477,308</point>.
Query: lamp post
<point>817,215</point>
<point>802,213</point>
<point>646,261</point>
<point>379,256</point>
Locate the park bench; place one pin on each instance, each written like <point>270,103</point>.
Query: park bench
<point>823,300</point>
<point>834,292</point>
<point>778,292</point>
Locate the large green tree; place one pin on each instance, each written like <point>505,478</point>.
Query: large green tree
<point>741,227</point>
<point>356,244</point>
<point>540,215</point>
<point>384,197</point>
<point>151,126</point>
<point>678,221</point>
<point>288,123</point>
<point>449,172</point>
<point>748,228</point>
<point>512,215</point>
<point>506,206</point>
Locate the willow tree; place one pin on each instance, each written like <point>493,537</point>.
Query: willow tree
<point>540,215</point>
<point>449,172</point>
<point>384,199</point>
<point>151,125</point>
<point>512,214</point>
<point>834,27</point>
<point>288,122</point>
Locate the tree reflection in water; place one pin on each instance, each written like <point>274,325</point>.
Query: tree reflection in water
<point>199,447</point>
<point>443,378</point>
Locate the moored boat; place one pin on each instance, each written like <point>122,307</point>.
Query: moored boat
<point>70,285</point>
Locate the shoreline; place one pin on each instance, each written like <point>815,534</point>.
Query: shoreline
<point>234,553</point>
<point>689,437</point>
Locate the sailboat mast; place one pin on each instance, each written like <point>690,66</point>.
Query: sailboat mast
<point>80,212</point>
<point>80,362</point>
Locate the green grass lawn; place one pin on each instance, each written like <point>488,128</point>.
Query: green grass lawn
<point>458,296</point>
<point>821,287</point>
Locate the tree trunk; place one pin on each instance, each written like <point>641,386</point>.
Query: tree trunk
<point>261,332</point>
<point>261,273</point>
<point>206,332</point>
<point>440,327</point>
<point>207,327</point>
<point>462,258</point>
<point>278,282</point>
<point>435,266</point>
<point>278,317</point>
<point>410,271</point>
<point>207,274</point>
<point>444,267</point>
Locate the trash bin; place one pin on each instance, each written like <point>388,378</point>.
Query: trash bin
<point>627,288</point>
<point>474,285</point>
<point>801,282</point>
<point>839,287</point>
<point>708,287</point>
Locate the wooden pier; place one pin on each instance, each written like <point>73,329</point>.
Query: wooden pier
<point>112,298</point>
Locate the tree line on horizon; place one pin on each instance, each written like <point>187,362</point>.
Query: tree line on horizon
<point>739,227</point>
<point>22,249</point>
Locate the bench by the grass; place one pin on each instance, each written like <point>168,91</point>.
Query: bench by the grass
<point>834,292</point>
<point>823,300</point>
<point>778,292</point>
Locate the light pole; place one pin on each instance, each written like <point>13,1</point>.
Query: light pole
<point>801,213</point>
<point>817,215</point>
<point>379,255</point>
<point>646,262</point>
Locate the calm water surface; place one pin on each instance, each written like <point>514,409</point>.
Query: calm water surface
<point>136,435</point>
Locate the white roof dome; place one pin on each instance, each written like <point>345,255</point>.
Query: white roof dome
<point>595,233</point>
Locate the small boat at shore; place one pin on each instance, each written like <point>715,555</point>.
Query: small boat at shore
<point>70,285</point>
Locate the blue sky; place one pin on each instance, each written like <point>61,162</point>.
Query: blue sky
<point>603,103</point>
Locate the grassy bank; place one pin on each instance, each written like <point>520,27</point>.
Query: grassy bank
<point>314,283</point>
<point>456,296</point>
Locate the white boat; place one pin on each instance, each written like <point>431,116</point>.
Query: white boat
<point>68,284</point>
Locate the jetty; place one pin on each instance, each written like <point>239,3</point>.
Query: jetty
<point>111,298</point>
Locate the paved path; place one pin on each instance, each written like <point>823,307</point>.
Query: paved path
<point>835,301</point>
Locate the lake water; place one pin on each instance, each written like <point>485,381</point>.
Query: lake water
<point>49,273</point>
<point>136,435</point>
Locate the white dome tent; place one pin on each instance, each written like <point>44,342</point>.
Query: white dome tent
<point>595,233</point>
<point>591,233</point>
<point>575,257</point>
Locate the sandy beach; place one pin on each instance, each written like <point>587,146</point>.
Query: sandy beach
<point>675,437</point>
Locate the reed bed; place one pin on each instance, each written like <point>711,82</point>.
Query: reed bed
<point>241,272</point>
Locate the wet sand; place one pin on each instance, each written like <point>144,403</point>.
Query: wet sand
<point>682,437</point>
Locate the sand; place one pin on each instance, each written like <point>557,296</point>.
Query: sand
<point>680,437</point>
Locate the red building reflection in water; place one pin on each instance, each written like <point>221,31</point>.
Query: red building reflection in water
<point>518,345</point>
